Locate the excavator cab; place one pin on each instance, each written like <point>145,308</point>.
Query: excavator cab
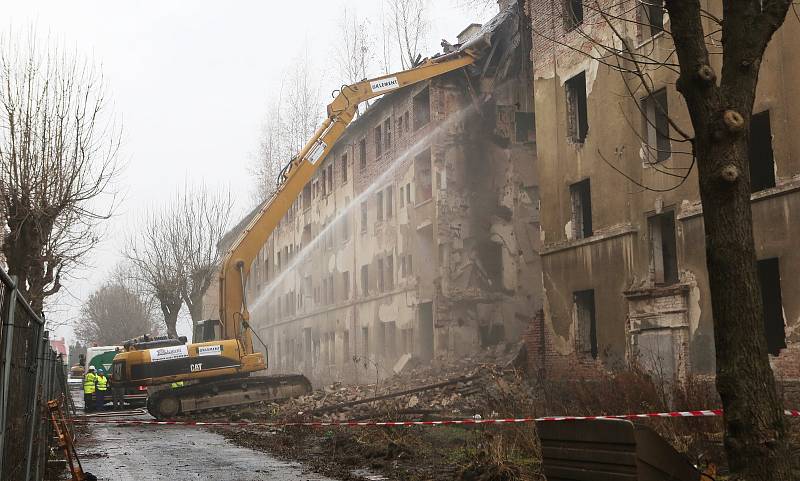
<point>208,330</point>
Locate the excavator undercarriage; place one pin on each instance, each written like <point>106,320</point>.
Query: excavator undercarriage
<point>218,394</point>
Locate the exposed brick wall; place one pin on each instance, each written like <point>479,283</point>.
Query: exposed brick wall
<point>550,36</point>
<point>787,372</point>
<point>787,364</point>
<point>791,393</point>
<point>545,362</point>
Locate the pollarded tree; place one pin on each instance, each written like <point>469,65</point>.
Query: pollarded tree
<point>155,266</point>
<point>175,251</point>
<point>58,151</point>
<point>203,217</point>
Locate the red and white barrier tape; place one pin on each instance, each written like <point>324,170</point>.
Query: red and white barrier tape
<point>469,421</point>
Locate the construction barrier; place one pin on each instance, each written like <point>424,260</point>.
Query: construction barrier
<point>31,373</point>
<point>467,421</point>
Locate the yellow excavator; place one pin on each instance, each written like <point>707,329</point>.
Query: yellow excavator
<point>221,359</point>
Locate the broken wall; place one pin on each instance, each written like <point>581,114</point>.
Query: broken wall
<point>438,255</point>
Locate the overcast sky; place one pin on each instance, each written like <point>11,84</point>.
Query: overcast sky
<point>190,80</point>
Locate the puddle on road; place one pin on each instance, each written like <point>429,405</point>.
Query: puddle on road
<point>369,475</point>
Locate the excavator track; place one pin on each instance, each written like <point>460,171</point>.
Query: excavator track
<point>226,393</point>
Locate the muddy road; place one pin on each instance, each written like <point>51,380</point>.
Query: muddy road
<point>176,453</point>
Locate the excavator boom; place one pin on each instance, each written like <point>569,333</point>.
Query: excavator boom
<point>236,265</point>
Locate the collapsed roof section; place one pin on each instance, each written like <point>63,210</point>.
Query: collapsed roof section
<point>504,33</point>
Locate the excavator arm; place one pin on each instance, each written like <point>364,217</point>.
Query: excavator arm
<point>235,268</point>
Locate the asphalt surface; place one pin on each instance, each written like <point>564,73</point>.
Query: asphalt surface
<point>175,453</point>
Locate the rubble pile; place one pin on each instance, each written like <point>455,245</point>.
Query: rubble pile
<point>443,388</point>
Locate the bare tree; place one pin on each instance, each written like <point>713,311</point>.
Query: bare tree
<point>386,37</point>
<point>720,104</point>
<point>409,25</point>
<point>302,109</point>
<point>353,54</point>
<point>175,251</point>
<point>271,155</point>
<point>292,117</point>
<point>479,6</point>
<point>58,151</point>
<point>116,311</point>
<point>151,252</point>
<point>203,219</point>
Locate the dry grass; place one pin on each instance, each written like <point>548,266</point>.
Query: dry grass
<point>511,452</point>
<point>636,391</point>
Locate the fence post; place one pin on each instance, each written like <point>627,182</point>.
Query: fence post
<point>8,344</point>
<point>52,386</point>
<point>44,429</point>
<point>38,391</point>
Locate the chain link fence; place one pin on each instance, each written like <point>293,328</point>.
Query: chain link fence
<point>31,373</point>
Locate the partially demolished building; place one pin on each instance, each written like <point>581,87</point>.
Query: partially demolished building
<point>419,235</point>
<point>623,253</point>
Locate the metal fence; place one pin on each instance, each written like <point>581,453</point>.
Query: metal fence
<point>31,373</point>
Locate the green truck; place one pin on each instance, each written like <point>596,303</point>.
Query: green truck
<point>102,357</point>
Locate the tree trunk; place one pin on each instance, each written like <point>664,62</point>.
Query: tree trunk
<point>196,309</point>
<point>24,251</point>
<point>756,432</point>
<point>756,440</point>
<point>193,295</point>
<point>171,321</point>
<point>171,318</point>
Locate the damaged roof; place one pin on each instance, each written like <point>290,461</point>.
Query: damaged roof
<point>504,24</point>
<point>503,32</point>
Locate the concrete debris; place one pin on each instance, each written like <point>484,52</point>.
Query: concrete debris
<point>395,394</point>
<point>401,363</point>
<point>440,388</point>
